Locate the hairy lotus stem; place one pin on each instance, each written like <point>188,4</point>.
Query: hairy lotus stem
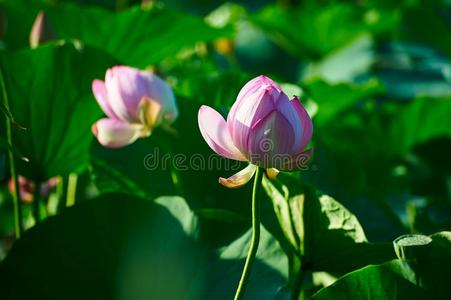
<point>255,237</point>
<point>410,248</point>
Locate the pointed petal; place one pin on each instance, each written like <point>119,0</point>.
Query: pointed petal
<point>254,101</point>
<point>270,139</point>
<point>253,85</point>
<point>101,95</point>
<point>256,107</point>
<point>113,133</point>
<point>240,178</point>
<point>306,122</point>
<point>213,129</point>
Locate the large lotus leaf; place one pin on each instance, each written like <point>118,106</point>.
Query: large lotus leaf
<point>335,99</point>
<point>420,121</point>
<point>136,37</point>
<point>311,31</point>
<point>49,91</point>
<point>122,247</point>
<point>321,231</point>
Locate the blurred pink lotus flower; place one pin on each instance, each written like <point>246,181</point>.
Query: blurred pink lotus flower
<point>26,187</point>
<point>41,31</point>
<point>135,103</point>
<point>264,127</point>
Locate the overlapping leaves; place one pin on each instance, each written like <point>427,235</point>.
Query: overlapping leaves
<point>321,231</point>
<point>425,277</point>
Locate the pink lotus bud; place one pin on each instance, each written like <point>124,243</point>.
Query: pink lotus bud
<point>135,103</point>
<point>41,31</point>
<point>263,127</point>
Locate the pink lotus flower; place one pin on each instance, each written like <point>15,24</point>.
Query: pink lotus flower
<point>263,127</point>
<point>27,187</point>
<point>135,103</point>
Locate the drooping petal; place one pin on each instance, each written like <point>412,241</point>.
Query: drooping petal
<point>213,129</point>
<point>306,121</point>
<point>240,178</point>
<point>101,95</point>
<point>272,173</point>
<point>114,133</point>
<point>295,162</point>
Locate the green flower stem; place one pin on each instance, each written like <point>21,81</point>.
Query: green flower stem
<point>18,218</point>
<point>36,202</point>
<point>255,236</point>
<point>71,189</point>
